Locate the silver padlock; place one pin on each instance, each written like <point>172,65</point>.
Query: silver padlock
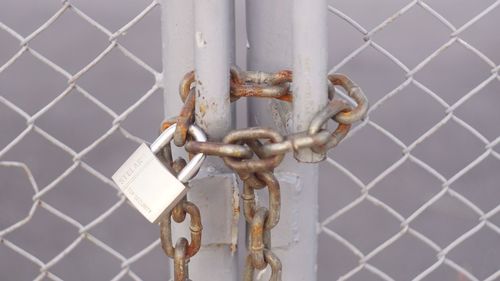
<point>148,184</point>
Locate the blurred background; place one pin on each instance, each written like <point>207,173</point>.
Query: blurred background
<point>414,192</point>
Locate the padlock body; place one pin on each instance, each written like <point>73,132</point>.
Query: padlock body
<point>148,184</point>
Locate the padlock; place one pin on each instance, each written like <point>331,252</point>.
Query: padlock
<point>148,184</point>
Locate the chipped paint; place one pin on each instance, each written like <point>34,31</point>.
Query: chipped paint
<point>281,112</point>
<point>200,40</point>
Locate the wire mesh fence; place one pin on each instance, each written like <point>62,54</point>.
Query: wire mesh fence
<point>415,193</point>
<point>64,141</point>
<point>422,213</point>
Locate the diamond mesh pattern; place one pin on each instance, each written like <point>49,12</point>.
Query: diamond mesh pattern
<point>73,87</point>
<point>367,188</point>
<point>366,265</point>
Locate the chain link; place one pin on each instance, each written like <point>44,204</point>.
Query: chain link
<point>265,85</point>
<point>183,250</point>
<point>253,153</point>
<point>261,220</point>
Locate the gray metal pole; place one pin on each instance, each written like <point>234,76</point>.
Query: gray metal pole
<point>177,46</point>
<point>199,35</point>
<point>309,66</point>
<point>274,45</point>
<point>214,52</point>
<point>212,60</point>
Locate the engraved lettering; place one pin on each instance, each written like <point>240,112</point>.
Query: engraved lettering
<point>131,170</point>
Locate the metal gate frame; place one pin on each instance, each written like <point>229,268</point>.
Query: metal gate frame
<point>206,44</point>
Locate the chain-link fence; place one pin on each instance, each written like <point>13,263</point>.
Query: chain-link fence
<point>75,75</point>
<point>416,186</point>
<point>412,194</point>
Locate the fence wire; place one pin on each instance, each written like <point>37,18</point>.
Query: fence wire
<point>483,217</point>
<point>365,259</point>
<point>77,161</point>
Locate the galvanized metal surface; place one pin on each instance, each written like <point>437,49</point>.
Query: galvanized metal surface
<point>199,32</point>
<point>177,28</point>
<point>270,49</point>
<point>257,173</point>
<point>213,44</point>
<point>214,52</point>
<point>310,57</point>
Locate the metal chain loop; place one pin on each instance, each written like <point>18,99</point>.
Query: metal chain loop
<point>260,238</point>
<point>354,92</point>
<point>185,118</point>
<point>253,165</point>
<point>253,153</point>
<point>260,84</point>
<point>195,228</point>
<point>274,199</point>
<point>186,85</point>
<point>183,250</point>
<point>181,271</point>
<point>272,260</point>
<point>261,220</point>
<point>331,110</point>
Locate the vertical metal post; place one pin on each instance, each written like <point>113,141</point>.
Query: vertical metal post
<point>212,61</point>
<point>199,35</point>
<point>177,47</point>
<point>217,188</point>
<point>309,66</point>
<point>282,35</point>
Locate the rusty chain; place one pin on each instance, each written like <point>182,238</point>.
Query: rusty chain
<point>253,153</point>
<point>261,220</point>
<point>183,249</point>
<point>277,86</point>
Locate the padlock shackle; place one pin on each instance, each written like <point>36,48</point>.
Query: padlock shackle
<point>195,163</point>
